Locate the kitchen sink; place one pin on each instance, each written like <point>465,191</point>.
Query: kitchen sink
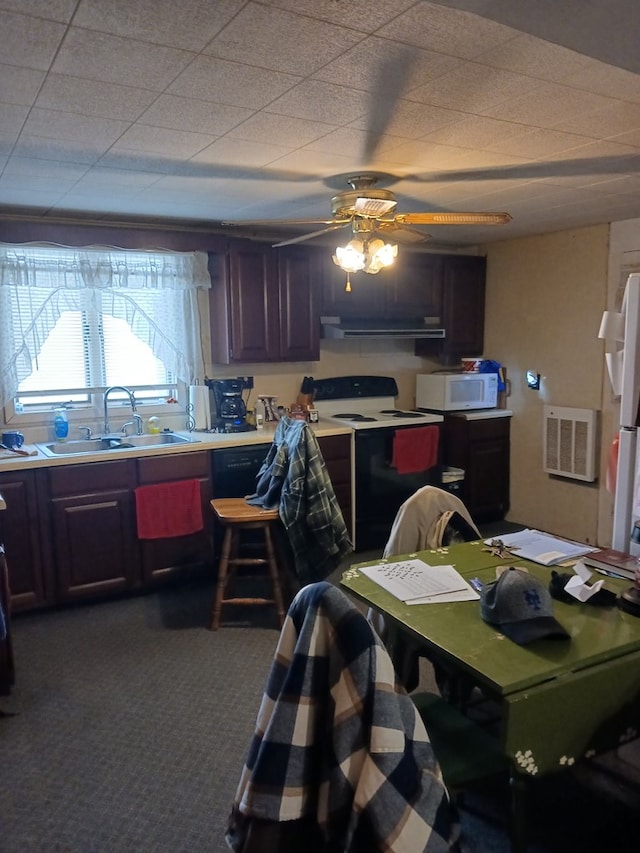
<point>113,442</point>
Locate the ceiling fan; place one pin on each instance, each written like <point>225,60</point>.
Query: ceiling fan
<point>369,211</point>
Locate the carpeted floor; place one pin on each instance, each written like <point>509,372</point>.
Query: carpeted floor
<point>129,722</point>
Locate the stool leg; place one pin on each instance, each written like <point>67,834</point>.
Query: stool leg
<point>275,574</point>
<point>223,568</point>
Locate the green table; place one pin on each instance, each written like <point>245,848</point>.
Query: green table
<point>560,700</point>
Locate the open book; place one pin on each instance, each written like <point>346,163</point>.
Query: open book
<point>542,547</point>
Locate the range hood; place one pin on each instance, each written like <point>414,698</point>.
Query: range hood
<point>423,327</point>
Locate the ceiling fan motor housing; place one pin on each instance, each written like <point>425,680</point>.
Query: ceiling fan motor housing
<point>365,202</point>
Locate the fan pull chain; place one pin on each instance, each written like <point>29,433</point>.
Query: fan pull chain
<point>348,285</point>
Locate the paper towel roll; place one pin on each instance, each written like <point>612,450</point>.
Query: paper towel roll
<point>201,411</point>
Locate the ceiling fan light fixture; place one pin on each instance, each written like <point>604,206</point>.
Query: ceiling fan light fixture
<point>350,258</point>
<point>369,255</point>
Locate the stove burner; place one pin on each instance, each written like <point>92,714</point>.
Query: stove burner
<point>353,417</point>
<point>390,411</point>
<point>408,415</point>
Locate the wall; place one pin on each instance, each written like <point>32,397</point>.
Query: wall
<point>337,358</point>
<point>545,297</point>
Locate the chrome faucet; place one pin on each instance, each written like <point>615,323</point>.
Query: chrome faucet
<point>132,401</point>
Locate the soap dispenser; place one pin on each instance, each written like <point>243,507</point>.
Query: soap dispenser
<point>60,424</point>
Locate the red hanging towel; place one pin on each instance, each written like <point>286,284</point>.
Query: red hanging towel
<point>415,449</point>
<point>169,509</point>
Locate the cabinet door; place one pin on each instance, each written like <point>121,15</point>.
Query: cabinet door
<point>336,452</point>
<point>463,306</point>
<point>164,559</point>
<point>298,276</point>
<point>415,289</point>
<point>94,544</point>
<point>463,292</point>
<point>22,540</point>
<point>367,297</point>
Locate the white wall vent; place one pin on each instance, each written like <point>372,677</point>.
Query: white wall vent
<point>569,440</point>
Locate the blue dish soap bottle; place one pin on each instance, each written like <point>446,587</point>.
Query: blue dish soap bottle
<point>60,424</point>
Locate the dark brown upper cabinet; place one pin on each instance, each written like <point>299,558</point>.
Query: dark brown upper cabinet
<point>263,303</point>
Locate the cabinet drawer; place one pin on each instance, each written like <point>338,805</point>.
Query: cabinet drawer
<point>183,466</point>
<point>490,428</point>
<point>91,477</point>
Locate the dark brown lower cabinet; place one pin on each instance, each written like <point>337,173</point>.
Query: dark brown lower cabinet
<point>94,543</point>
<point>28,576</point>
<point>336,450</point>
<point>481,447</point>
<point>162,559</point>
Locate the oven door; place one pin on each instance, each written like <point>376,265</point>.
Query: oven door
<point>380,489</point>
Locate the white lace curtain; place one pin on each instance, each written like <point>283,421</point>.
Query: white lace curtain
<point>156,292</point>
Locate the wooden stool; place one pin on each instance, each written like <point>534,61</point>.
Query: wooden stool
<point>236,515</point>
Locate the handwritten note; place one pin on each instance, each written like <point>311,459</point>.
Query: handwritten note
<point>415,582</point>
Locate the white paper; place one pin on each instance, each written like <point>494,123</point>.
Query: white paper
<point>542,548</point>
<point>415,582</point>
<point>578,587</point>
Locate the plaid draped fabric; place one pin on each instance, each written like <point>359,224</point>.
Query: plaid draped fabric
<point>339,744</point>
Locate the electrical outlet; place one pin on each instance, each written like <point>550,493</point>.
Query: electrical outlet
<point>247,382</point>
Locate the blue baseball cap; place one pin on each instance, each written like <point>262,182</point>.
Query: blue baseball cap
<point>521,607</point>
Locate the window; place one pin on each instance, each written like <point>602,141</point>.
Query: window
<point>75,321</point>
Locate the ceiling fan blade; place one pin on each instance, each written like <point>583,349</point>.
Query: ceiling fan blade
<point>401,233</point>
<point>284,223</point>
<point>444,218</point>
<point>310,236</point>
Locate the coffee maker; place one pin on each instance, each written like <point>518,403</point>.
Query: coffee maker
<point>230,410</point>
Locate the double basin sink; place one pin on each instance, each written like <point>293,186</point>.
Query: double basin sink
<point>110,443</point>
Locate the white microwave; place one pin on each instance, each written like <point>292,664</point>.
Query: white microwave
<point>451,392</point>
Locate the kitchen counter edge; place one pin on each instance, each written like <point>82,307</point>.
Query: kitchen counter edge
<point>199,441</point>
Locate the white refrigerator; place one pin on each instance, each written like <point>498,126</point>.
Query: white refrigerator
<point>622,333</point>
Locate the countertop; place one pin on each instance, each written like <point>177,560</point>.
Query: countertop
<point>199,441</point>
<point>482,414</point>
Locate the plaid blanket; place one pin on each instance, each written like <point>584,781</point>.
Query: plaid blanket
<point>339,743</point>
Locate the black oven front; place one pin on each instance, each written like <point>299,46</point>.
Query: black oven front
<point>379,488</point>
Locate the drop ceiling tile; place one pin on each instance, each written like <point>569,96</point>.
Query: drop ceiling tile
<point>358,14</point>
<point>474,132</point>
<point>61,150</point>
<point>547,105</point>
<point>29,42</point>
<point>194,114</point>
<point>446,31</point>
<point>7,142</point>
<point>152,140</point>
<point>303,44</point>
<point>473,88</point>
<point>138,162</point>
<point>606,80</point>
<point>36,183</point>
<point>537,143</point>
<point>231,82</point>
<point>351,139</point>
<point>53,124</point>
<point>287,131</point>
<point>403,68</point>
<point>29,166</point>
<point>239,153</point>
<point>319,101</point>
<point>19,85</point>
<point>101,177</point>
<point>53,10</point>
<point>629,137</point>
<point>98,56</point>
<point>28,201</point>
<point>189,24</point>
<point>539,59</point>
<point>94,97</point>
<point>617,117</point>
<point>413,120</point>
<point>12,117</point>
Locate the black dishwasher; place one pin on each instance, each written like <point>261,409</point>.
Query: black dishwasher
<point>235,469</point>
